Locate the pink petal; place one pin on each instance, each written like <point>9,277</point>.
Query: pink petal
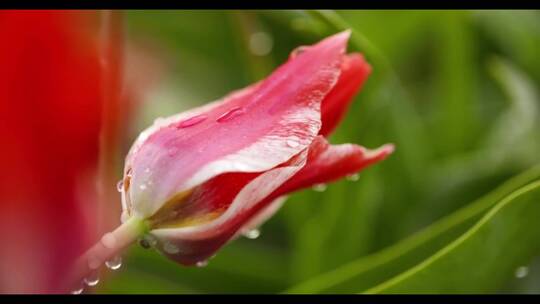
<point>273,121</point>
<point>354,72</point>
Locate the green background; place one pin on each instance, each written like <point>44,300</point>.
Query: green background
<point>456,91</point>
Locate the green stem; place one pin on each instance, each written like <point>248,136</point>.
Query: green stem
<point>109,246</point>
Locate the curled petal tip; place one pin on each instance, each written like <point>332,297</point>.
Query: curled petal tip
<point>340,38</point>
<point>381,152</point>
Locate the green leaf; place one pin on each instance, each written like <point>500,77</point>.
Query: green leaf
<point>483,258</point>
<point>372,270</point>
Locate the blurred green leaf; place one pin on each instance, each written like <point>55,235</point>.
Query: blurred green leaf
<point>485,256</point>
<point>372,270</point>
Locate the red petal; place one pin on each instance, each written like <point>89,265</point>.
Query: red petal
<point>354,71</point>
<point>50,95</point>
<point>327,163</point>
<point>253,130</point>
<point>196,243</point>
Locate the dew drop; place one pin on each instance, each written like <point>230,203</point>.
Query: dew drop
<point>319,187</point>
<point>172,151</point>
<point>115,263</point>
<point>293,142</point>
<point>171,248</point>
<point>252,234</point>
<point>120,185</point>
<point>191,121</point>
<point>78,290</point>
<point>521,272</point>
<point>92,279</point>
<point>142,187</point>
<point>94,263</point>
<point>353,177</point>
<point>297,51</point>
<point>144,244</point>
<point>201,263</point>
<point>108,240</point>
<point>232,113</point>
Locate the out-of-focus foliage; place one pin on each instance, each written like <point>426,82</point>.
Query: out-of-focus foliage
<point>456,91</point>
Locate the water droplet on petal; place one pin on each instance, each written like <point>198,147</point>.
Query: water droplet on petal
<point>92,279</point>
<point>232,113</point>
<point>353,177</point>
<point>297,51</point>
<point>252,234</point>
<point>172,151</point>
<point>201,263</point>
<point>521,272</point>
<point>293,142</point>
<point>260,43</point>
<point>191,121</point>
<point>319,187</point>
<point>142,187</point>
<point>114,263</point>
<point>120,185</point>
<point>171,248</point>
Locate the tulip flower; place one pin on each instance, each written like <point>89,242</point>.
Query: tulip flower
<point>196,180</point>
<point>52,100</point>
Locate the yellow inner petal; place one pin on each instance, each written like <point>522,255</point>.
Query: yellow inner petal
<point>172,214</point>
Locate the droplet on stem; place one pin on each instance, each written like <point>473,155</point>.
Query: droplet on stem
<point>78,290</point>
<point>108,240</point>
<point>115,263</point>
<point>92,279</point>
<point>94,263</point>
